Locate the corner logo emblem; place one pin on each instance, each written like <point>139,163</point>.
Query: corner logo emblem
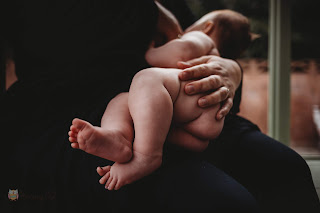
<point>13,195</point>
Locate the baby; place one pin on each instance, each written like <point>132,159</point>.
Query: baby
<point>136,124</point>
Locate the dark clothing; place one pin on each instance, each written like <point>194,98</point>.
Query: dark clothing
<point>71,42</point>
<point>72,57</point>
<point>181,11</point>
<point>278,178</point>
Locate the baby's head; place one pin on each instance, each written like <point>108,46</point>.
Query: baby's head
<point>229,30</point>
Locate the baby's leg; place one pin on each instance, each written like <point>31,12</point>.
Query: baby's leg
<point>151,98</point>
<point>196,134</point>
<point>184,139</point>
<point>193,126</point>
<point>206,126</point>
<point>113,140</point>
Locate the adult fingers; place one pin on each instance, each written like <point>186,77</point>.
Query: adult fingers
<point>195,72</point>
<point>214,98</point>
<point>193,62</point>
<point>204,85</point>
<point>225,109</point>
<point>200,71</point>
<point>197,61</point>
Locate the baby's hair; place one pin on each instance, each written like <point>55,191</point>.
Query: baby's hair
<point>233,32</point>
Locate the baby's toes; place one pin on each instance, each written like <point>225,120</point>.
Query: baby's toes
<point>112,184</point>
<point>73,134</point>
<point>75,145</point>
<point>108,182</point>
<point>103,170</point>
<point>73,128</point>
<point>118,185</point>
<point>104,178</point>
<point>73,140</point>
<point>78,123</point>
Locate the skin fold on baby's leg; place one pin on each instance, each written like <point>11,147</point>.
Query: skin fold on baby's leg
<point>151,98</point>
<point>181,138</point>
<point>113,140</point>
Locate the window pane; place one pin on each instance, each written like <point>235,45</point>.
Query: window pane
<point>305,68</point>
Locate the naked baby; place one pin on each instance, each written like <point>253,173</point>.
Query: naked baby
<point>136,124</point>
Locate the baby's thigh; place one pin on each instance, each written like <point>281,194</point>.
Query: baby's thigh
<point>206,126</point>
<point>200,122</point>
<point>186,107</point>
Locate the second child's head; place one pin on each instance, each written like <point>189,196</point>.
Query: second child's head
<point>229,30</point>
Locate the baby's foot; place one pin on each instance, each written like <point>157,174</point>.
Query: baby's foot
<point>103,143</point>
<point>103,170</point>
<point>118,175</point>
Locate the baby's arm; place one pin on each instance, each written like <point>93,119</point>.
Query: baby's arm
<point>191,45</point>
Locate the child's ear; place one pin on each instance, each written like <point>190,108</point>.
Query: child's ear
<point>208,27</point>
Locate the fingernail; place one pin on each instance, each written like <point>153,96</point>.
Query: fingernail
<point>220,116</point>
<point>181,75</point>
<point>203,102</point>
<point>190,89</point>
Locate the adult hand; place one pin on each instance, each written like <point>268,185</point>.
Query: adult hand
<point>215,75</point>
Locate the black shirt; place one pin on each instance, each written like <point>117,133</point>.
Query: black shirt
<point>78,44</point>
<point>72,57</point>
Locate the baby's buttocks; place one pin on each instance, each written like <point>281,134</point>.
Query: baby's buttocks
<point>186,107</point>
<point>197,121</point>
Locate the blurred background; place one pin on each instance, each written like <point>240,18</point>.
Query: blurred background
<point>305,67</point>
